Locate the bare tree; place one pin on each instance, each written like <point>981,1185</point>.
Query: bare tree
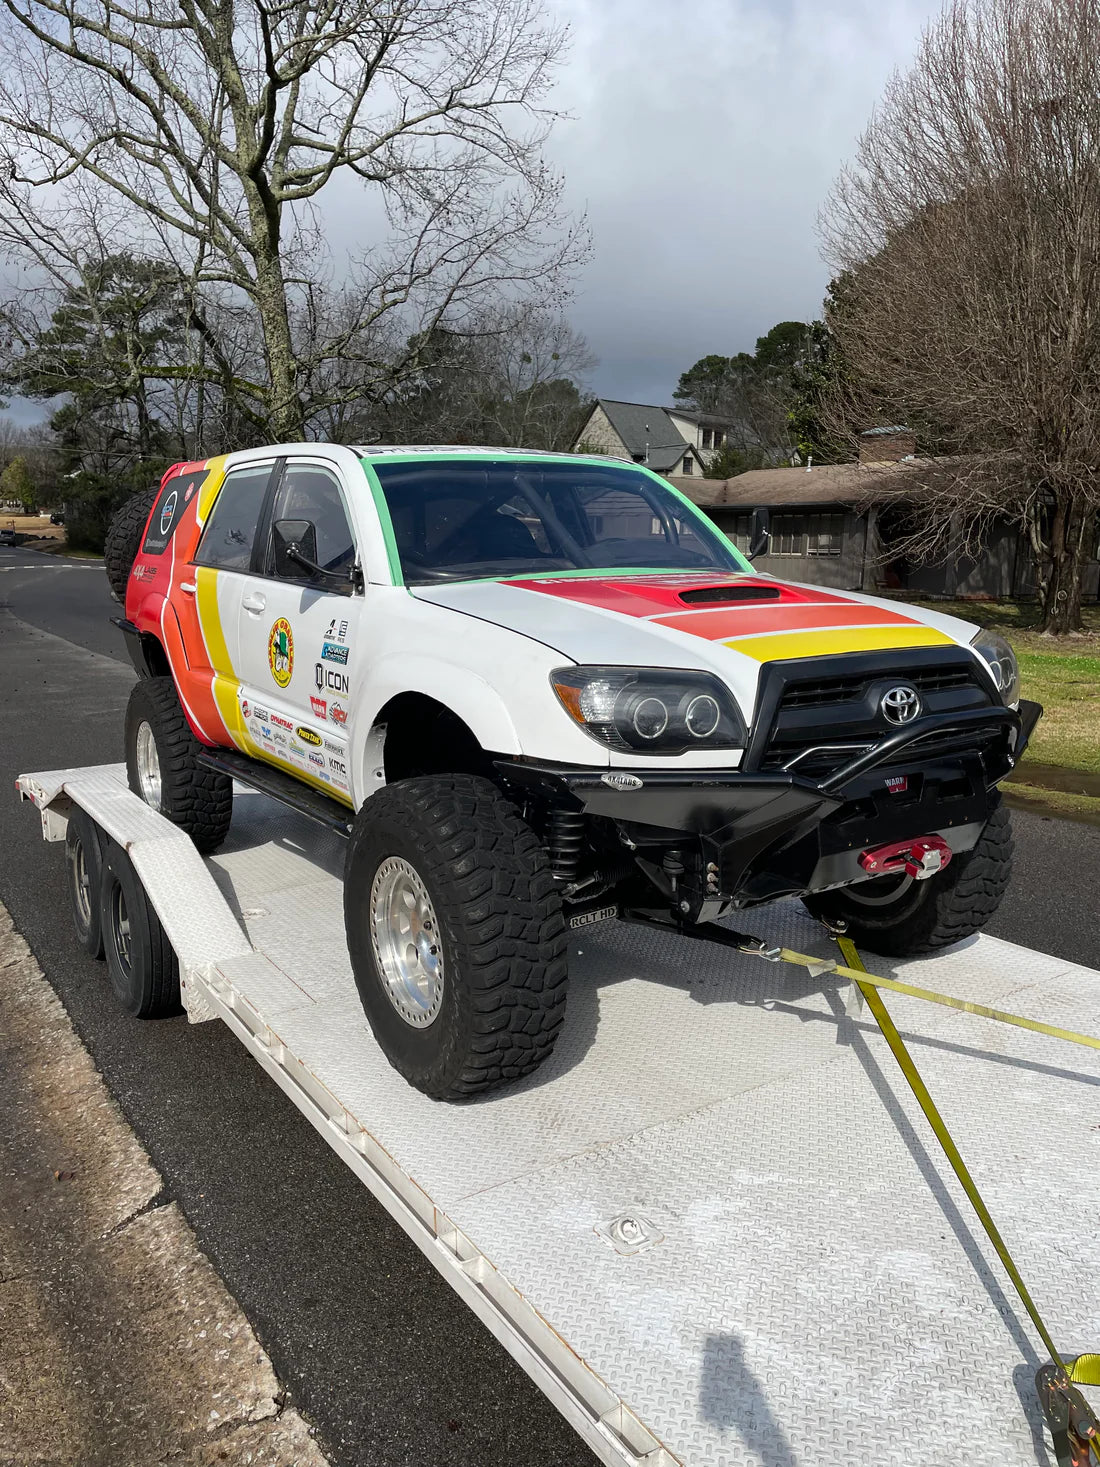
<point>205,132</point>
<point>968,231</point>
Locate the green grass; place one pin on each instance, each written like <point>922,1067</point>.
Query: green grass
<point>1061,673</point>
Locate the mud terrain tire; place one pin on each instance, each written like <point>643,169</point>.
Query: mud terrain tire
<point>450,855</point>
<point>124,535</point>
<point>198,800</point>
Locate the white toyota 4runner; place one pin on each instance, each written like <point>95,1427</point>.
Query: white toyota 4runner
<point>538,690</point>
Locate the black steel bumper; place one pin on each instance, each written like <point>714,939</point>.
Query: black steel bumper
<point>767,833</point>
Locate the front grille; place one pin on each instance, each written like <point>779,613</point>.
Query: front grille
<point>848,689</point>
<point>829,715</point>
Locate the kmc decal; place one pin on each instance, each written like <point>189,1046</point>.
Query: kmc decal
<point>280,652</point>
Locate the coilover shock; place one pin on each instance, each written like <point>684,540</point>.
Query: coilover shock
<point>564,842</point>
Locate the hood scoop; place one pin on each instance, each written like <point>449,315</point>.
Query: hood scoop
<point>711,595</point>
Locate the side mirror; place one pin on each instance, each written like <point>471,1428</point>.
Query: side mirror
<point>295,549</point>
<point>759,533</point>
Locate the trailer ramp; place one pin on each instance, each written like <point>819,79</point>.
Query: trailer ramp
<point>714,1228</point>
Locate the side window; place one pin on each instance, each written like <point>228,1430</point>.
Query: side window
<point>231,528</point>
<point>309,492</point>
<point>171,500</point>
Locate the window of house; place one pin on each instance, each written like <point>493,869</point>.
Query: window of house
<point>737,528</point>
<point>231,528</point>
<point>706,437</point>
<point>639,458</point>
<point>824,533</point>
<point>686,467</point>
<point>719,439</point>
<point>788,534</point>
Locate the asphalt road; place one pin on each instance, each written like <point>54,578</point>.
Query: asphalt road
<point>369,1341</point>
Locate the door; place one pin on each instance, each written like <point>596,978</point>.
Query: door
<point>209,597</point>
<point>298,633</point>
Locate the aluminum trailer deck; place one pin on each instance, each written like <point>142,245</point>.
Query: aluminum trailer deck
<point>715,1228</point>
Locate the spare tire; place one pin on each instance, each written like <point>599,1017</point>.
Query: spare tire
<point>124,536</point>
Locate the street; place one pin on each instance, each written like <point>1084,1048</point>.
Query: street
<point>369,1342</point>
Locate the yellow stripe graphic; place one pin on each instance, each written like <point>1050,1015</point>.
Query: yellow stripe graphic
<point>842,639</point>
<point>225,687</point>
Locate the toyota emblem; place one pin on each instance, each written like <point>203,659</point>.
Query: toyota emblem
<point>900,705</point>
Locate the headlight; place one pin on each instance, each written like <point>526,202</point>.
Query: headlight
<point>1001,661</point>
<point>649,710</point>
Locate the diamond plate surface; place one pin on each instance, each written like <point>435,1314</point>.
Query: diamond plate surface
<point>820,1294</point>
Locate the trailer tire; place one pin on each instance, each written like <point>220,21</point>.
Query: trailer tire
<point>934,913</point>
<point>123,539</point>
<point>142,967</point>
<point>453,853</point>
<point>84,870</point>
<point>163,769</point>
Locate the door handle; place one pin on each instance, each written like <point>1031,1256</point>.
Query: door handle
<point>254,603</point>
<point>188,586</point>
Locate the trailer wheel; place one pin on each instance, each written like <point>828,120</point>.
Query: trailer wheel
<point>162,765</point>
<point>84,868</point>
<point>456,934</point>
<point>142,967</point>
<point>902,918</point>
<point>123,539</point>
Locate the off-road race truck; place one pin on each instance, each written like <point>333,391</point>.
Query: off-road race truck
<point>540,690</point>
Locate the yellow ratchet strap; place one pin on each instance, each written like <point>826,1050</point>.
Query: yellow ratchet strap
<point>1074,1427</point>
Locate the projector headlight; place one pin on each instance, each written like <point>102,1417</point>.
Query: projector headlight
<point>1001,661</point>
<point>650,710</point>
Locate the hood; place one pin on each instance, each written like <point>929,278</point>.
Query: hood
<point>730,623</point>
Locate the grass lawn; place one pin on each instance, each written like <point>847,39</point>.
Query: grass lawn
<point>1061,673</point>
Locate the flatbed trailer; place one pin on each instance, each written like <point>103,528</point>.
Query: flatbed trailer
<point>715,1228</point>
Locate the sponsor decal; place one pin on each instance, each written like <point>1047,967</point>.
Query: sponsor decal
<point>278,736</point>
<point>282,722</point>
<point>259,713</point>
<point>144,572</point>
<point>190,491</point>
<point>280,652</point>
<point>265,733</point>
<point>338,767</point>
<point>338,713</point>
<point>337,630</point>
<point>244,706</point>
<point>168,511</point>
<point>333,652</point>
<point>620,780</point>
<point>329,680</point>
<point>307,736</point>
<point>319,706</point>
<point>317,759</point>
<point>333,747</point>
<point>897,784</point>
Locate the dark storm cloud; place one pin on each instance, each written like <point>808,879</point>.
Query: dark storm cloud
<point>703,139</point>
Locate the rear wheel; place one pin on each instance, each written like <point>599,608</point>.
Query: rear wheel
<point>141,965</point>
<point>456,934</point>
<point>162,765</point>
<point>900,917</point>
<point>84,869</point>
<point>124,535</point>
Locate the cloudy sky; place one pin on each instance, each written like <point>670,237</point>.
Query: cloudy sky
<point>704,136</point>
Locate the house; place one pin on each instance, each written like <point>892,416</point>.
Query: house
<point>667,440</point>
<point>833,525</point>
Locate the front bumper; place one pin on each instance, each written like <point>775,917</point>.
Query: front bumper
<point>762,835</point>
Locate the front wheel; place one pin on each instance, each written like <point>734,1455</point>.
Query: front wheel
<point>162,765</point>
<point>456,934</point>
<point>900,917</point>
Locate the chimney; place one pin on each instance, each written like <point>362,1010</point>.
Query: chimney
<point>887,445</point>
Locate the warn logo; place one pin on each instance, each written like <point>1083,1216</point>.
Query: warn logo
<point>897,784</point>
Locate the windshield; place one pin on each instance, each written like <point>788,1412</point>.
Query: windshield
<point>454,519</point>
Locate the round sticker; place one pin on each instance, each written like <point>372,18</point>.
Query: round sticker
<point>280,652</point>
<point>168,511</point>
